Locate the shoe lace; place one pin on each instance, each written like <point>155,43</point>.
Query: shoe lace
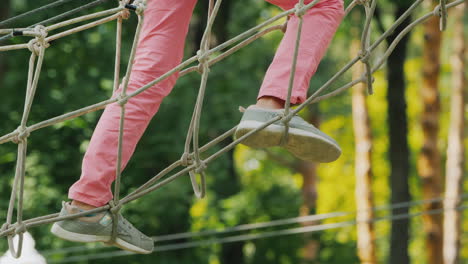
<point>130,227</point>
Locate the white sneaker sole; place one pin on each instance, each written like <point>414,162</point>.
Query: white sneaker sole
<point>303,144</point>
<point>77,237</point>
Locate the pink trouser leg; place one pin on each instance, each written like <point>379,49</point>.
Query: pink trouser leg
<point>319,27</point>
<point>160,48</point>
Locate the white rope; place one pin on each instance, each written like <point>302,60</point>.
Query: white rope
<point>41,41</point>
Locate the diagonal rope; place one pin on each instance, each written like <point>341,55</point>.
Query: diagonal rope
<point>40,42</point>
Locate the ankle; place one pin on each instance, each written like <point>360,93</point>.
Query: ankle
<point>270,102</point>
<point>82,205</point>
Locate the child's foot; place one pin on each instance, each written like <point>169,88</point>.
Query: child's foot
<point>255,117</point>
<point>98,228</point>
<point>304,140</point>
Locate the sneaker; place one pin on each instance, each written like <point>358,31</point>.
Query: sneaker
<point>304,140</point>
<point>98,228</point>
<point>255,117</point>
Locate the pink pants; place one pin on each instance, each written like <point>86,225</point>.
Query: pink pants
<point>160,48</point>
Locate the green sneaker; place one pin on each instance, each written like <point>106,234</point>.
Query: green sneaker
<point>98,228</point>
<point>304,140</point>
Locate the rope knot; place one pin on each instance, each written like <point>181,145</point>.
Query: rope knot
<point>186,159</point>
<point>300,10</point>
<point>20,228</point>
<point>37,44</point>
<point>201,167</point>
<point>115,208</point>
<point>23,134</point>
<point>34,46</point>
<point>41,31</point>
<point>140,6</point>
<point>203,59</point>
<point>287,118</point>
<point>122,99</point>
<point>202,56</point>
<point>364,56</point>
<point>203,68</point>
<point>125,14</point>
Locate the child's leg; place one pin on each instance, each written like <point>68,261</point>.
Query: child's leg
<point>160,49</point>
<point>304,140</point>
<point>320,24</point>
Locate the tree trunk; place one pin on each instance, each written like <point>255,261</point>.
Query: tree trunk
<point>363,164</point>
<point>399,150</point>
<point>429,158</point>
<point>308,171</point>
<point>455,150</point>
<point>231,253</point>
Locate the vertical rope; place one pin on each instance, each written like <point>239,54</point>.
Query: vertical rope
<point>37,47</point>
<point>118,48</point>
<point>15,183</point>
<point>204,63</point>
<point>365,43</point>
<point>300,11</point>
<point>123,99</point>
<point>19,186</point>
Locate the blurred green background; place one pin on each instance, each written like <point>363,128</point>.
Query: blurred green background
<point>245,185</point>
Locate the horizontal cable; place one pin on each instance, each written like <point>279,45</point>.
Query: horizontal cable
<point>255,226</point>
<point>32,12</point>
<point>249,237</point>
<point>59,17</point>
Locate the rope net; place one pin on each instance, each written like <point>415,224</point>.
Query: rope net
<point>190,162</point>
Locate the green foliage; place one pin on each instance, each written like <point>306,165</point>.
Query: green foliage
<point>244,186</point>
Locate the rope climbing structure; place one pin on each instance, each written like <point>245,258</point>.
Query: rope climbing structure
<point>190,162</point>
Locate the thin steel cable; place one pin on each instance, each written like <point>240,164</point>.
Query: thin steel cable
<point>250,237</point>
<point>32,12</point>
<point>273,223</point>
<point>59,17</point>
<point>71,12</point>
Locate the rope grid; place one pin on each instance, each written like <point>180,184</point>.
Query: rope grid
<point>190,161</point>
